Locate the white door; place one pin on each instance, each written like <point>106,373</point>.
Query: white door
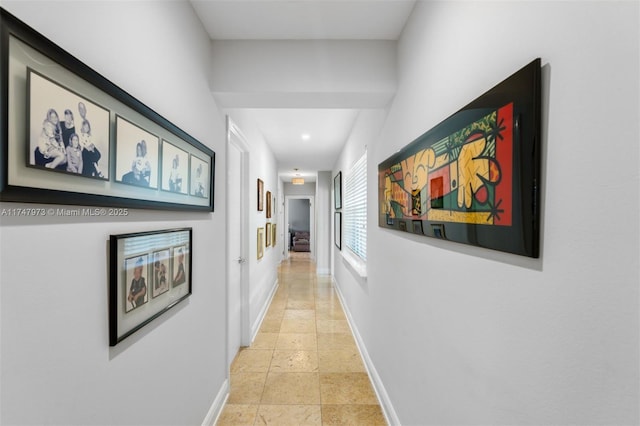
<point>237,278</point>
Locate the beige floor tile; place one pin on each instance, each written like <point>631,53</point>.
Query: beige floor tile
<point>270,326</point>
<point>252,361</point>
<point>333,326</point>
<point>238,414</point>
<point>246,388</point>
<point>300,304</point>
<point>340,361</point>
<point>299,341</point>
<point>346,388</point>
<point>298,326</point>
<point>299,314</point>
<point>291,388</point>
<point>289,415</point>
<point>265,341</point>
<point>336,341</point>
<point>293,361</point>
<point>330,313</point>
<point>369,415</point>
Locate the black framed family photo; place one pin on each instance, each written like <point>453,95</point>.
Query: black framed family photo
<point>70,136</point>
<point>149,273</point>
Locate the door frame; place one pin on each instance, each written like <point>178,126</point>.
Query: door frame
<point>312,222</point>
<point>236,139</point>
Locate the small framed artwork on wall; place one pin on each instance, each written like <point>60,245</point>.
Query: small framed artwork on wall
<point>149,273</point>
<point>260,195</point>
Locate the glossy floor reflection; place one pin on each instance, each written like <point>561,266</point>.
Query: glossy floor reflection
<point>304,367</point>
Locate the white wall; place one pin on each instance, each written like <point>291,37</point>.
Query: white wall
<point>262,272</point>
<point>324,204</point>
<point>57,366</point>
<point>288,73</point>
<point>463,335</point>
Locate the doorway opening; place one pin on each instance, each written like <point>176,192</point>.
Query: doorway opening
<point>300,220</point>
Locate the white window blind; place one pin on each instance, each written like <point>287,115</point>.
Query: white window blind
<point>355,208</point>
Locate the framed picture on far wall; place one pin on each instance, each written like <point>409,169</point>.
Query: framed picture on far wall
<point>337,191</point>
<point>274,236</point>
<point>260,195</point>
<point>337,224</point>
<point>260,243</point>
<point>268,237</point>
<point>149,273</point>
<point>268,198</point>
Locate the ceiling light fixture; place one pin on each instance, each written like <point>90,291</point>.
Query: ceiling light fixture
<point>297,181</point>
<point>306,136</point>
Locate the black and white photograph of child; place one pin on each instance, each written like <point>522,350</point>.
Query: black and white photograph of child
<point>161,274</point>
<point>136,282</point>
<point>136,155</point>
<point>175,168</point>
<point>179,269</point>
<point>199,177</point>
<point>56,114</point>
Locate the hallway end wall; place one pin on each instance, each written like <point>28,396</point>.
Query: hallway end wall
<point>465,335</point>
<point>56,363</point>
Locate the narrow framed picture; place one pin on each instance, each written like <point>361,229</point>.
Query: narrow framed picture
<point>141,266</point>
<point>274,236</point>
<point>179,273</point>
<point>136,291</point>
<point>175,169</point>
<point>199,178</point>
<point>337,228</point>
<point>260,243</point>
<point>160,272</point>
<point>337,191</point>
<point>268,198</point>
<point>136,155</point>
<point>67,132</point>
<point>260,195</point>
<point>268,237</point>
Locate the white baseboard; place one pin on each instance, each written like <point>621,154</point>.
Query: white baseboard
<point>323,271</point>
<point>263,311</point>
<point>387,408</point>
<point>218,404</point>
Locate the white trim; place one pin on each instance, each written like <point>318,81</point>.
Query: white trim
<point>263,312</point>
<point>240,142</point>
<point>217,406</point>
<point>357,264</point>
<point>381,393</point>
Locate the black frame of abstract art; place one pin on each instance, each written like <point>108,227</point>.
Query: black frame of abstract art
<point>475,177</point>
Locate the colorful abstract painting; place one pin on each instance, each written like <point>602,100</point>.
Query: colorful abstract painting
<point>472,174</point>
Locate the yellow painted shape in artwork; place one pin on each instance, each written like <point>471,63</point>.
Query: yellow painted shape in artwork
<point>480,218</point>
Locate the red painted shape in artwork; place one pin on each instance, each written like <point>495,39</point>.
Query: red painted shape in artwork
<point>504,156</point>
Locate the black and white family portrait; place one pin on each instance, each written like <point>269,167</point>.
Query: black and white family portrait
<point>68,133</point>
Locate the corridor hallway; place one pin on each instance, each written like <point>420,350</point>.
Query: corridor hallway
<point>304,367</point>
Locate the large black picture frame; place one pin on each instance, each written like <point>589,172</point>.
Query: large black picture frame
<point>149,273</point>
<point>25,53</point>
<point>475,177</point>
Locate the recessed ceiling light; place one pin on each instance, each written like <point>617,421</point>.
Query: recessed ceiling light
<point>306,136</point>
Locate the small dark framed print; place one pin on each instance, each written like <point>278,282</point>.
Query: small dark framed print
<point>149,273</point>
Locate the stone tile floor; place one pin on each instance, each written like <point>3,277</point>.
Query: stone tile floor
<point>304,367</point>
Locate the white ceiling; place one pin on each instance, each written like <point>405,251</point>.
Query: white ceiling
<point>282,128</point>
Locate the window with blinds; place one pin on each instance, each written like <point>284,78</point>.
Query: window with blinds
<point>355,208</point>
